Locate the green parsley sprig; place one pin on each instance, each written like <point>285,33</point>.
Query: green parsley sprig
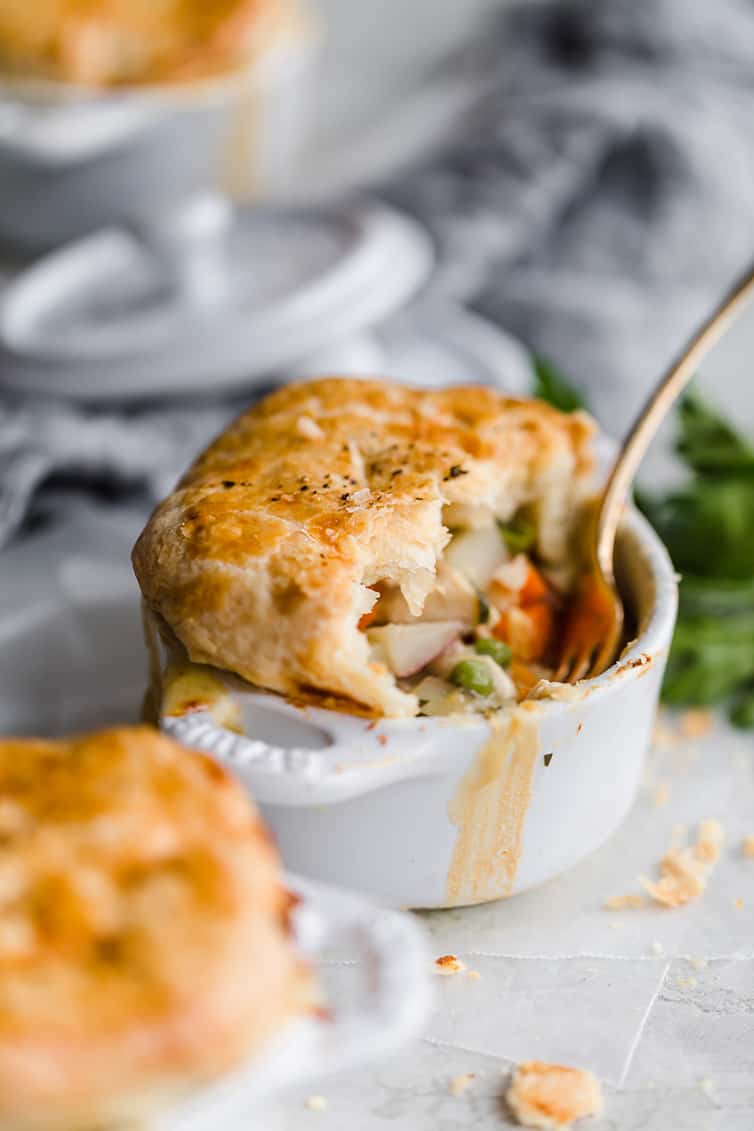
<point>708,527</point>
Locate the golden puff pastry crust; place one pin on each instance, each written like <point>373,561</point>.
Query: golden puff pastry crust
<point>144,942</point>
<point>262,559</point>
<point>121,42</point>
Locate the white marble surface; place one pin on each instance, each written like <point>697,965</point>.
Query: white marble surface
<point>659,1003</point>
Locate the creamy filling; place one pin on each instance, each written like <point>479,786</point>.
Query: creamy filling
<point>484,635</point>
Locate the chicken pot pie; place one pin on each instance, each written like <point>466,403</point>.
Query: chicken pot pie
<point>402,549</point>
<point>144,941</point>
<point>122,42</point>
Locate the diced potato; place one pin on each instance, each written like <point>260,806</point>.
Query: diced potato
<point>467,516</point>
<point>513,574</point>
<point>443,664</point>
<point>477,554</point>
<point>437,697</point>
<point>407,648</point>
<point>452,598</point>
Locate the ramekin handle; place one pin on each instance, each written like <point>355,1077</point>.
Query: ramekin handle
<point>355,756</point>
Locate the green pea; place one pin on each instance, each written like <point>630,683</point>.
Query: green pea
<point>500,651</point>
<point>473,675</point>
<point>519,534</point>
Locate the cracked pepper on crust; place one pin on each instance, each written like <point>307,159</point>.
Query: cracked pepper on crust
<point>261,560</point>
<point>144,940</point>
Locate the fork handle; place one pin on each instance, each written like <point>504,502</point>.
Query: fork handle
<point>654,411</point>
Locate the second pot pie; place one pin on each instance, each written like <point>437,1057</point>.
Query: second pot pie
<point>103,43</point>
<point>144,938</point>
<point>396,548</point>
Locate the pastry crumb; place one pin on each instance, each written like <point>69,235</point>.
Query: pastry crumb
<point>747,846</point>
<point>551,1096</point>
<point>664,737</point>
<point>685,983</point>
<point>317,1103</point>
<point>684,870</point>
<point>623,902</point>
<point>661,794</point>
<point>699,963</point>
<point>696,723</point>
<point>738,904</point>
<point>460,1084</point>
<point>473,974</point>
<point>709,842</point>
<point>449,964</point>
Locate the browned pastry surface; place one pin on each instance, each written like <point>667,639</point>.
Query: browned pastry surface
<point>144,944</point>
<point>261,560</point>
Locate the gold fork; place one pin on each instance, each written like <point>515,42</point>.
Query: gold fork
<point>593,622</point>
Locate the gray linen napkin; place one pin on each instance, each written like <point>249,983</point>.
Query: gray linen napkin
<point>44,440</point>
<point>603,197</point>
<point>596,201</point>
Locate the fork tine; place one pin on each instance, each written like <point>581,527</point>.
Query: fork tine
<point>607,652</point>
<point>560,675</point>
<point>590,634</point>
<point>582,668</point>
<point>585,663</point>
<point>568,663</point>
<point>574,666</point>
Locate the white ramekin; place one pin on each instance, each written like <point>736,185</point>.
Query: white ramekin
<point>424,813</point>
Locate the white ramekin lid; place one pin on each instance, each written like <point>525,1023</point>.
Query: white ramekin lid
<point>211,296</point>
